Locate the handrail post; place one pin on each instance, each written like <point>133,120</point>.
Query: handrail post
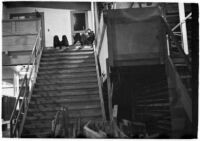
<point>11,128</point>
<point>183,27</point>
<point>168,45</point>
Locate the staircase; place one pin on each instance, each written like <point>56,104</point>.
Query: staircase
<point>182,62</point>
<point>177,55</point>
<point>67,78</point>
<point>142,96</point>
<point>153,106</point>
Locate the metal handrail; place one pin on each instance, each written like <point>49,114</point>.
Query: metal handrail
<point>179,24</point>
<point>25,90</point>
<point>172,37</point>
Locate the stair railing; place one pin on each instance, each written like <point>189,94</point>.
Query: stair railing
<point>180,88</point>
<point>99,85</point>
<point>177,82</point>
<point>179,24</point>
<point>18,116</point>
<point>172,37</point>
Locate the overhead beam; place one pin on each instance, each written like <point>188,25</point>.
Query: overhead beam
<point>55,5</point>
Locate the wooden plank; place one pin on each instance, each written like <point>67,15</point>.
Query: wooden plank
<point>19,40</point>
<point>20,26</point>
<point>111,40</point>
<point>7,28</point>
<point>117,15</point>
<point>138,62</point>
<point>18,59</point>
<point>137,56</point>
<point>109,90</point>
<point>100,86</point>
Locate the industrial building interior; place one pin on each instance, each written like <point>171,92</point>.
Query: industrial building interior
<point>99,69</point>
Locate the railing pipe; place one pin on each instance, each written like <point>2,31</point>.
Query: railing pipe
<point>179,24</point>
<point>27,83</point>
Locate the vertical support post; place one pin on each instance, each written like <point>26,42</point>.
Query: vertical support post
<point>65,120</point>
<point>109,90</point>
<point>168,49</point>
<point>11,128</point>
<point>96,19</point>
<point>93,16</point>
<point>16,84</point>
<point>183,27</point>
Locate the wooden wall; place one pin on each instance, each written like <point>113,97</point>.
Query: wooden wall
<point>135,36</point>
<point>18,40</point>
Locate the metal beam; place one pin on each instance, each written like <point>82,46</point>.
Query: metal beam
<point>183,27</point>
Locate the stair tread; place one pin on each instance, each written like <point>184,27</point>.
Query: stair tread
<point>155,94</point>
<point>67,53</point>
<point>63,93</point>
<point>36,134</point>
<point>76,97</point>
<point>58,87</point>
<point>68,76</point>
<point>47,117</point>
<point>67,62</point>
<point>64,81</point>
<point>80,70</point>
<point>60,58</point>
<point>67,66</point>
<point>68,104</point>
<point>47,123</point>
<point>64,100</point>
<point>54,109</point>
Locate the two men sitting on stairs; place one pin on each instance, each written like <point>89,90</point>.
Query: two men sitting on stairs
<point>58,43</point>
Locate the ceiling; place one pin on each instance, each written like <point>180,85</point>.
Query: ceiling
<point>52,4</point>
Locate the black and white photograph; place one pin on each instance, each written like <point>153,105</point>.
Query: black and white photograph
<point>100,69</point>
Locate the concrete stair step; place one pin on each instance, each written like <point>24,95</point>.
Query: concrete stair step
<point>37,134</point>
<point>153,110</point>
<point>186,76</point>
<point>155,116</point>
<point>69,49</point>
<point>67,62</point>
<point>154,105</point>
<point>70,105</point>
<point>65,87</point>
<point>65,81</point>
<point>74,66</point>
<point>72,114</point>
<point>74,92</point>
<point>178,60</point>
<point>66,54</point>
<point>77,76</point>
<point>154,94</point>
<point>79,70</point>
<point>151,101</point>
<point>71,57</point>
<point>76,97</point>
<point>155,85</point>
<point>65,100</point>
<point>57,108</point>
<point>46,124</point>
<point>164,127</point>
<point>164,122</point>
<point>145,107</point>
